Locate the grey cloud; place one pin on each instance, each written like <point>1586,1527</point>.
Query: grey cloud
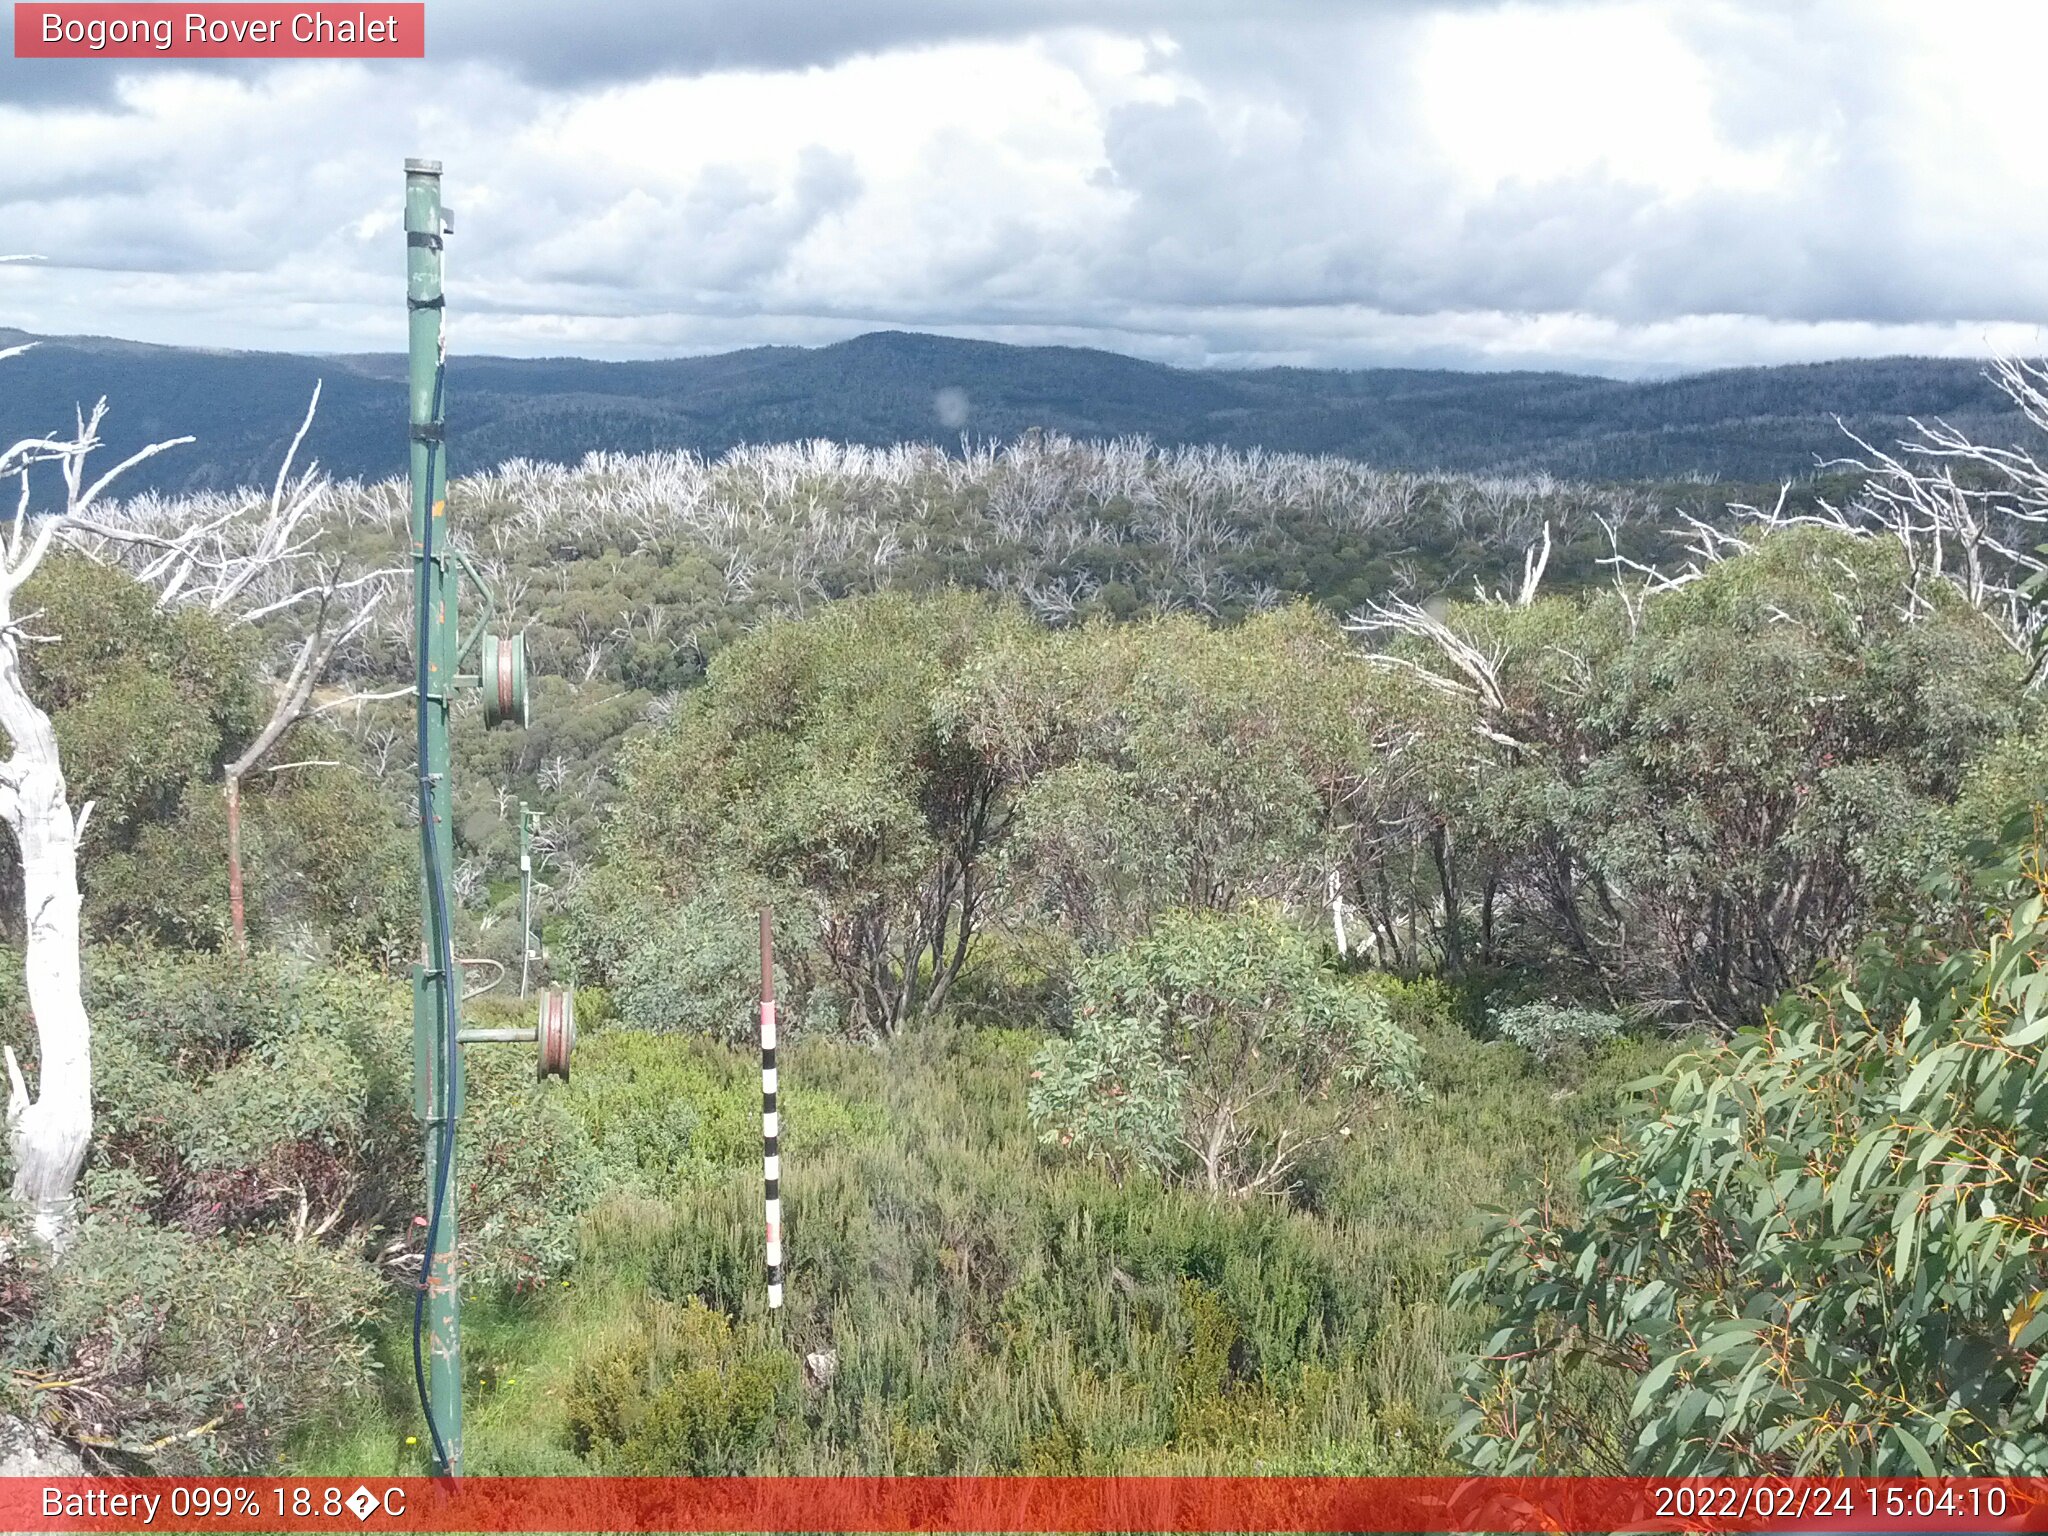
<point>633,39</point>
<point>1287,209</point>
<point>730,230</point>
<point>1331,220</point>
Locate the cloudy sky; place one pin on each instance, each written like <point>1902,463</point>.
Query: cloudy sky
<point>1627,186</point>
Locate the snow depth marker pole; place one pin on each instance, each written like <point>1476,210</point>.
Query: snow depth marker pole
<point>771,1128</point>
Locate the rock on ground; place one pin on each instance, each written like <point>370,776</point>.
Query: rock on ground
<point>28,1451</point>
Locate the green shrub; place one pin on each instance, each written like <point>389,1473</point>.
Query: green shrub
<point>245,1094</point>
<point>1553,1032</point>
<point>692,967</point>
<point>177,1354</point>
<point>1812,1249</point>
<point>664,1113</point>
<point>1208,1047</point>
<point>677,1392</point>
<point>594,1006</point>
<point>1013,975</point>
<point>527,1169</point>
<point>257,1095</point>
<point>1110,1093</point>
<point>698,970</point>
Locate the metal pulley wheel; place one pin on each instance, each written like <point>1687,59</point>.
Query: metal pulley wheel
<point>557,1032</point>
<point>504,679</point>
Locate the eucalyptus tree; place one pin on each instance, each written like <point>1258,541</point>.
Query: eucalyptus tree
<point>1209,1048</point>
<point>264,566</point>
<point>813,761</point>
<point>1814,1248</point>
<point>1169,764</point>
<point>1694,795</point>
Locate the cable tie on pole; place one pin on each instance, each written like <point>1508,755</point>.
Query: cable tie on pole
<point>430,432</point>
<point>438,301</point>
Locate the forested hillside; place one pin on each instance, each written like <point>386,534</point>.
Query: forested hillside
<point>1203,883</point>
<point>1744,424</point>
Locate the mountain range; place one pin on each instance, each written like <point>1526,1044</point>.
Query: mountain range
<point>1747,425</point>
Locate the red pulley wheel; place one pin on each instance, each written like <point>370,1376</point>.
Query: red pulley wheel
<point>557,1032</point>
<point>504,679</point>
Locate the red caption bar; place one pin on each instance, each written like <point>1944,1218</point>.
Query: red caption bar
<point>377,30</point>
<point>1003,1504</point>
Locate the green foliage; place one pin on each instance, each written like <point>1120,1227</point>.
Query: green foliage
<point>178,1354</point>
<point>1684,805</point>
<point>1813,1248</point>
<point>169,885</point>
<point>693,967</point>
<point>1553,1032</point>
<point>1110,1092</point>
<point>694,973</point>
<point>678,1393</point>
<point>994,1310</point>
<point>255,1158</point>
<point>1170,764</point>
<point>526,1168</point>
<point>250,1095</point>
<point>662,1110</point>
<point>146,705</point>
<point>811,759</point>
<point>1703,804</point>
<point>328,859</point>
<point>1211,1043</point>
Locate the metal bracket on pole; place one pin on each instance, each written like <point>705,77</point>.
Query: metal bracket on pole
<point>483,622</point>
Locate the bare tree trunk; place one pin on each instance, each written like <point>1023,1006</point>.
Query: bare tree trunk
<point>1453,939</point>
<point>48,1134</point>
<point>232,788</point>
<point>1212,1154</point>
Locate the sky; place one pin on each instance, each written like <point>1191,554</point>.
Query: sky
<point>1631,187</point>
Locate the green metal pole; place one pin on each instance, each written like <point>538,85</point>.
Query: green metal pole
<point>436,995</point>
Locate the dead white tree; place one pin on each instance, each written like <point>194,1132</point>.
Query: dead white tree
<point>1474,673</point>
<point>1535,561</point>
<point>1962,514</point>
<point>49,1130</point>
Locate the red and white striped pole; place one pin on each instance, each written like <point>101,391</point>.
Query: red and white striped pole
<point>771,1156</point>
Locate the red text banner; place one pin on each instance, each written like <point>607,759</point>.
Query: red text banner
<point>991,1504</point>
<point>221,31</point>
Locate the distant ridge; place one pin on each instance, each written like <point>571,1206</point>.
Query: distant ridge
<point>1742,424</point>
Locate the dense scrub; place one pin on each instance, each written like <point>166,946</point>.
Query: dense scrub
<point>1171,969</point>
<point>249,1208</point>
<point>962,1298</point>
<point>629,572</point>
<point>1677,806</point>
<point>1813,1247</point>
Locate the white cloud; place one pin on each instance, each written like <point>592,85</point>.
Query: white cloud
<point>1628,184</point>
